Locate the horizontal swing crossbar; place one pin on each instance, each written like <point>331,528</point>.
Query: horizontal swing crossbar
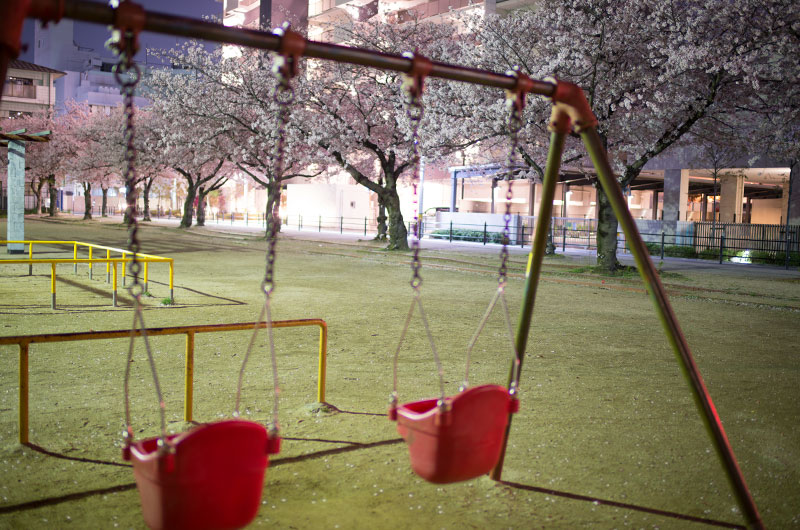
<point>186,27</point>
<point>24,342</point>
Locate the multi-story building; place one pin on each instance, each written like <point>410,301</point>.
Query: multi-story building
<point>87,75</point>
<point>30,88</point>
<point>268,14</point>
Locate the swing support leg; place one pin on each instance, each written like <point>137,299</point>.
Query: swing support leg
<point>560,129</point>
<point>579,113</point>
<point>680,346</point>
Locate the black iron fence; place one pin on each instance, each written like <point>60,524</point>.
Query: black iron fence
<point>340,224</point>
<point>732,242</point>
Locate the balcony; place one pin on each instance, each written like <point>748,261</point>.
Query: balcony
<point>15,90</point>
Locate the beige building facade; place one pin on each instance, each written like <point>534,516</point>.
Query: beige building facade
<point>29,89</point>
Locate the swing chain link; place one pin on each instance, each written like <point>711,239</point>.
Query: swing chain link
<point>127,75</point>
<point>412,87</point>
<point>415,111</point>
<point>284,68</point>
<point>516,102</point>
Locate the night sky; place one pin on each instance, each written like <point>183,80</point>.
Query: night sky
<point>94,36</point>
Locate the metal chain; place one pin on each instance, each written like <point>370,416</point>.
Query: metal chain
<point>128,74</point>
<point>514,127</point>
<point>412,88</point>
<point>414,112</point>
<point>283,97</point>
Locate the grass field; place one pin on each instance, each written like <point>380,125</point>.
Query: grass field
<point>607,436</point>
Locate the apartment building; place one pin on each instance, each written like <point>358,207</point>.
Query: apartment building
<point>87,75</point>
<point>30,88</point>
<point>672,187</point>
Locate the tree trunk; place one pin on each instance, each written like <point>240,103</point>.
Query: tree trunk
<point>381,220</point>
<point>188,204</point>
<point>51,187</point>
<point>273,207</point>
<point>550,246</point>
<point>606,233</point>
<point>36,187</point>
<point>398,234</point>
<point>146,199</point>
<point>201,206</point>
<point>104,203</point>
<point>87,200</point>
<point>381,236</point>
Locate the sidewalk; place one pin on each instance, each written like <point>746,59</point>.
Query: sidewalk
<point>578,256</point>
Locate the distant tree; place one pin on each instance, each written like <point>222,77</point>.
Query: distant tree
<point>651,70</point>
<point>193,144</point>
<point>45,162</point>
<point>98,158</point>
<point>238,103</point>
<point>357,118</point>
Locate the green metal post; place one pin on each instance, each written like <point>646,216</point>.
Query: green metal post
<point>534,268</point>
<point>674,333</point>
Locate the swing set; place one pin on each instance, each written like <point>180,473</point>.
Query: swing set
<point>211,476</point>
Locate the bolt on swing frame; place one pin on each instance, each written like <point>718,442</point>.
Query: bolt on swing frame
<point>571,113</point>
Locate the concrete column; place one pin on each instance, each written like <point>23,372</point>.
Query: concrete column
<point>654,205</point>
<point>453,190</point>
<point>15,230</point>
<point>794,199</point>
<point>785,202</point>
<point>531,197</point>
<point>730,200</point>
<point>676,192</point>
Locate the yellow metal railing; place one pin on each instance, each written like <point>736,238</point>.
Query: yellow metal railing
<point>111,264</point>
<point>24,342</point>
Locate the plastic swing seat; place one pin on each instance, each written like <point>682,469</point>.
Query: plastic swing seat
<point>459,441</point>
<point>211,477</point>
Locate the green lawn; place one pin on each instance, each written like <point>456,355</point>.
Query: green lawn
<point>607,436</point>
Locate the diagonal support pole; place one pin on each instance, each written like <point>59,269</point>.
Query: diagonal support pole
<point>647,270</point>
<point>571,109</point>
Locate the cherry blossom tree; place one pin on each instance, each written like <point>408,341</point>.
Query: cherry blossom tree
<point>357,116</point>
<point>239,104</point>
<point>98,158</point>
<point>46,163</point>
<point>191,143</point>
<point>651,70</point>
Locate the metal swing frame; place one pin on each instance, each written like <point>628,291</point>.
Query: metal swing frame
<point>571,113</point>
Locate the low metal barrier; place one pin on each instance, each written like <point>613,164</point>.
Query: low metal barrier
<point>111,264</point>
<point>24,342</point>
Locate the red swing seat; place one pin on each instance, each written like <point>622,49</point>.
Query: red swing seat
<point>211,478</point>
<point>461,442</point>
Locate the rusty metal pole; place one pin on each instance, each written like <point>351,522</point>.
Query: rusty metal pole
<point>99,13</point>
<point>647,270</point>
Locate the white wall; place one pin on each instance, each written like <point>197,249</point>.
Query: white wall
<point>328,200</point>
<point>766,211</point>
